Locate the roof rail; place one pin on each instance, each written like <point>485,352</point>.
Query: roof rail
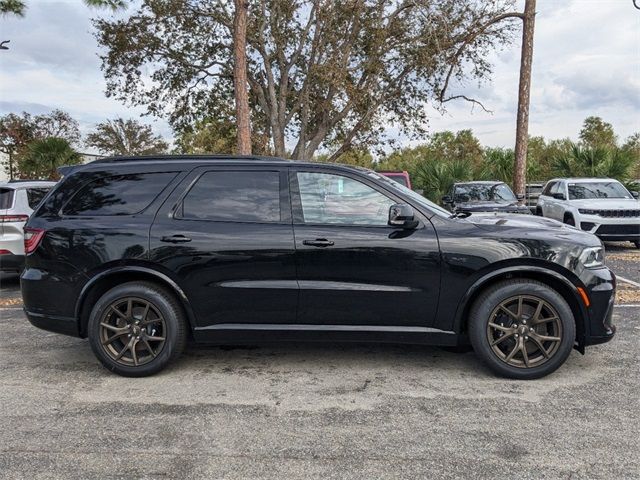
<point>167,158</point>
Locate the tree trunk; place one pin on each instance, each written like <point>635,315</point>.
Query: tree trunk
<point>240,76</point>
<point>524,90</point>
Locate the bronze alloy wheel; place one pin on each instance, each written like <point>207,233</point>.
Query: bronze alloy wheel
<point>132,331</point>
<point>524,331</point>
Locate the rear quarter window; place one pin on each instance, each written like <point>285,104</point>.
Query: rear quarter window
<point>6,198</point>
<point>118,194</point>
<point>35,196</point>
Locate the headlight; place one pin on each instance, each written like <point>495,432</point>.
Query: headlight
<point>592,257</point>
<point>587,211</point>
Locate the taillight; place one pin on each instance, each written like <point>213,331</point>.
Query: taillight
<point>13,218</point>
<point>32,238</point>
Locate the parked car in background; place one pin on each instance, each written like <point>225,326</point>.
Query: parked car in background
<point>18,199</point>
<point>485,196</point>
<point>532,193</point>
<point>138,254</point>
<point>401,177</point>
<point>602,206</point>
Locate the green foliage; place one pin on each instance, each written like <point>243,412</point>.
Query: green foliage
<point>462,145</point>
<point>16,131</point>
<point>12,7</point>
<point>595,162</point>
<point>632,146</point>
<point>436,177</point>
<point>499,165</point>
<point>110,4</point>
<point>321,74</point>
<point>41,158</point>
<point>216,136</point>
<point>596,133</point>
<point>356,157</point>
<point>125,137</point>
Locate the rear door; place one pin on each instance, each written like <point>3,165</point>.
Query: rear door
<point>353,268</point>
<point>225,235</point>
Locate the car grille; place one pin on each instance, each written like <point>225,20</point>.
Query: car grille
<point>618,230</point>
<point>618,213</point>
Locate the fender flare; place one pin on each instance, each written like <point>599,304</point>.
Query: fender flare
<point>482,281</point>
<point>165,279</point>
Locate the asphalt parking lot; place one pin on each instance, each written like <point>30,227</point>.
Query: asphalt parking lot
<point>318,411</point>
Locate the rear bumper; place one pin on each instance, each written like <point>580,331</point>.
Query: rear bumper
<point>64,325</point>
<point>11,263</point>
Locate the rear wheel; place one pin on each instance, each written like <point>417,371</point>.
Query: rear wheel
<point>522,329</point>
<point>136,329</point>
<point>539,212</point>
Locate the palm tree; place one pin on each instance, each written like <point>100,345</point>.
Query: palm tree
<point>436,177</point>
<point>42,158</point>
<point>499,165</point>
<point>595,162</point>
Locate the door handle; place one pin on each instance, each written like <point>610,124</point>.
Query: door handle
<point>175,239</point>
<point>318,242</point>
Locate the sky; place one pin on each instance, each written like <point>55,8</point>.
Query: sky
<point>586,62</point>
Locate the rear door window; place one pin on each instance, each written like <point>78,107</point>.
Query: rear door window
<point>35,196</point>
<point>547,189</point>
<point>118,194</point>
<point>6,198</point>
<point>557,188</point>
<point>234,196</point>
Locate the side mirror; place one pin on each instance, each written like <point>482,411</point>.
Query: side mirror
<point>447,199</point>
<point>520,196</point>
<point>558,196</point>
<point>635,194</point>
<point>401,215</point>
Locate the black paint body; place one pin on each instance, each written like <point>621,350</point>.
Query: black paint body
<point>244,281</point>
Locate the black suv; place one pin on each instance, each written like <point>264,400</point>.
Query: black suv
<point>140,254</point>
<point>483,196</point>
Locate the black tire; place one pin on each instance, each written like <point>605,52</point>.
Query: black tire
<point>569,220</point>
<point>169,319</point>
<point>484,311</point>
<point>539,212</point>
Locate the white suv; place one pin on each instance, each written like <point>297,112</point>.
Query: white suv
<point>598,205</point>
<point>18,199</point>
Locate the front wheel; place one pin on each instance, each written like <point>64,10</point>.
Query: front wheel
<point>136,329</point>
<point>522,329</point>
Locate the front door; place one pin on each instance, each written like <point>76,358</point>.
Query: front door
<point>354,269</point>
<point>225,236</point>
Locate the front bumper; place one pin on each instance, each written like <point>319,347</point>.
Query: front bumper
<point>611,229</point>
<point>601,290</point>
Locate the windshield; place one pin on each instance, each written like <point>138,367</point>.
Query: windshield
<point>612,189</point>
<point>475,192</point>
<point>411,194</point>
